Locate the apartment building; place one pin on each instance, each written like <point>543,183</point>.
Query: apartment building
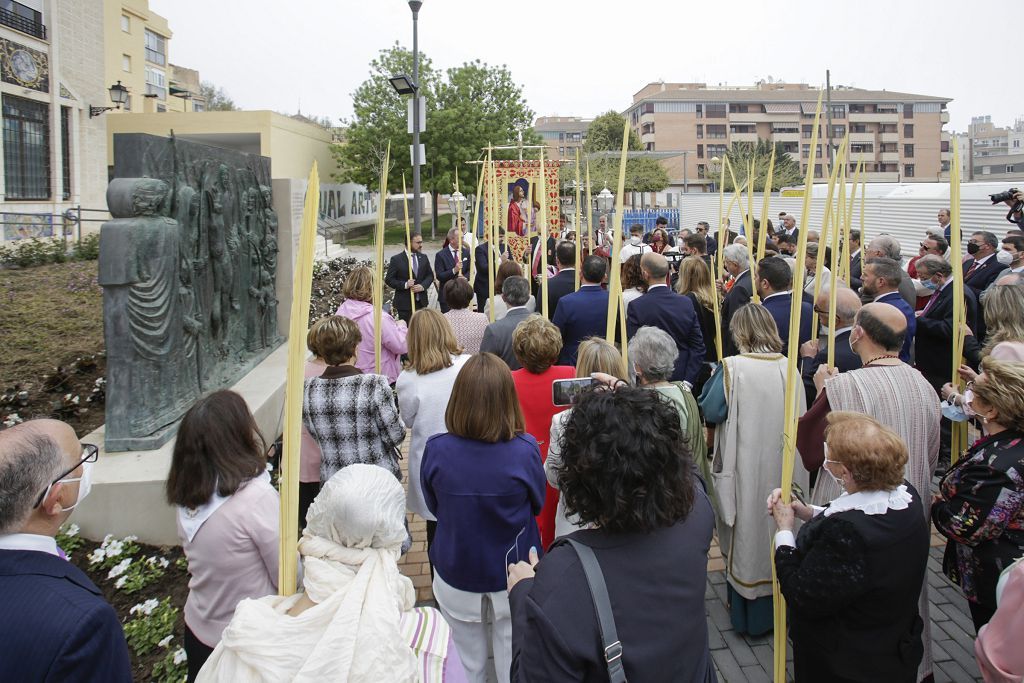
<point>899,136</point>
<point>994,153</point>
<point>52,89</point>
<point>562,135</point>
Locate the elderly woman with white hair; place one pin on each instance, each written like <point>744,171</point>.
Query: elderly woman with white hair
<point>743,398</point>
<point>355,620</point>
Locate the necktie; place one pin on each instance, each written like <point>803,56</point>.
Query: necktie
<point>415,264</point>
<point>931,301</point>
<point>970,270</point>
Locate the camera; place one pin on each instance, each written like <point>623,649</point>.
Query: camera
<point>1015,209</point>
<point>1003,196</point>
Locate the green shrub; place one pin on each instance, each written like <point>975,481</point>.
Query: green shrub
<point>89,248</point>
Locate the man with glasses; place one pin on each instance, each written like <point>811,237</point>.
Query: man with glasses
<point>710,243</point>
<point>984,268</point>
<point>54,622</point>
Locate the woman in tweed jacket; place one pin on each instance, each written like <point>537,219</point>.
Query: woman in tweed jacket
<point>352,416</point>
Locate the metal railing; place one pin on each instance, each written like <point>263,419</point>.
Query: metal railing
<point>66,226</point>
<point>23,24</point>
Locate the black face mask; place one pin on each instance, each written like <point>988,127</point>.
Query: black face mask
<point>972,248</point>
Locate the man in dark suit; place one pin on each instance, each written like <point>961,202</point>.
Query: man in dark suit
<point>774,286</point>
<point>984,268</point>
<point>565,281</point>
<point>536,263</point>
<point>737,263</point>
<point>515,291</point>
<point>448,266</point>
<point>933,345</point>
<point>789,228</point>
<point>662,308</point>
<point>710,243</point>
<point>584,313</point>
<point>887,246</point>
<point>814,353</point>
<point>483,261</point>
<point>408,284</point>
<point>881,283</point>
<point>54,623</point>
<point>855,260</point>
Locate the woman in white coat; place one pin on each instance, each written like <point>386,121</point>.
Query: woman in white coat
<point>424,388</point>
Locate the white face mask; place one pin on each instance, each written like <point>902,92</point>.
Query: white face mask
<point>837,480</point>
<point>1004,257</point>
<point>84,484</point>
<point>635,240</point>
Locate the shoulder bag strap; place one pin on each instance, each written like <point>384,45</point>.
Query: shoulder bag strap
<point>603,606</point>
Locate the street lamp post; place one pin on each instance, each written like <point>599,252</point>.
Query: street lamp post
<point>605,205</point>
<point>417,217</point>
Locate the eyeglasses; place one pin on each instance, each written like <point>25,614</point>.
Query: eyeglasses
<point>90,453</point>
<point>820,312</point>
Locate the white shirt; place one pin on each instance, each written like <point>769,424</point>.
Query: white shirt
<point>632,250</point>
<point>660,284</point>
<point>42,544</point>
<point>981,261</point>
<point>775,294</point>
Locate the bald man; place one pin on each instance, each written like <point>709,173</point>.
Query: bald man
<point>814,353</point>
<point>662,308</point>
<point>893,393</point>
<point>52,616</point>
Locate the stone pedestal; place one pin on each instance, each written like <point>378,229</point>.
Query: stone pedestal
<point>128,487</point>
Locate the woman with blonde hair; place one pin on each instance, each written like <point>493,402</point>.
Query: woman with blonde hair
<point>424,389</point>
<point>743,398</point>
<point>537,343</point>
<point>1004,322</point>
<point>980,506</point>
<point>358,306</point>
<point>695,283</point>
<point>594,355</point>
<point>484,482</point>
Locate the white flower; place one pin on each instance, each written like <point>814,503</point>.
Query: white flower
<point>166,641</point>
<point>107,539</point>
<point>67,397</point>
<point>120,582</point>
<point>72,530</point>
<point>131,539</point>
<point>144,607</point>
<point>13,419</point>
<point>96,556</point>
<point>114,548</point>
<point>75,400</point>
<point>164,563</point>
<point>119,568</point>
<point>179,656</point>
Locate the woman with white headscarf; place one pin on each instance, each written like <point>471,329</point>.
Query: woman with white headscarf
<point>355,620</point>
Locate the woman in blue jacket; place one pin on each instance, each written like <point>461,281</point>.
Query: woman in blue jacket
<point>484,482</point>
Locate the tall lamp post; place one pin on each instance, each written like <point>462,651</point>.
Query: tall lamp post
<point>457,205</point>
<point>404,85</point>
<point>605,205</point>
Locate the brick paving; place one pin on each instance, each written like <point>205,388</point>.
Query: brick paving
<point>743,659</point>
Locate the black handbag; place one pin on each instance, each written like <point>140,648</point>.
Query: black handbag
<point>603,607</point>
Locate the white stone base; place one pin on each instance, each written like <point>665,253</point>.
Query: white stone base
<point>128,488</point>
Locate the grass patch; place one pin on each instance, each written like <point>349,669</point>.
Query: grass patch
<point>395,234</point>
<point>49,315</point>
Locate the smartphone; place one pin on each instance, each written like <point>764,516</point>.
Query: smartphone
<point>564,392</point>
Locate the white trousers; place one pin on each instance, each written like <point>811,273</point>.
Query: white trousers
<point>472,629</point>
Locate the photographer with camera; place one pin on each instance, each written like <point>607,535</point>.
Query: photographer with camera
<point>1014,199</point>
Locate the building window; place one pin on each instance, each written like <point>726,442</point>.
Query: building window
<point>717,111</point>
<point>1009,168</point>
<point>716,132</point>
<point>839,111</point>
<point>561,137</point>
<point>700,132</point>
<point>700,111</point>
<point>908,151</point>
<point>156,82</point>
<point>908,170</point>
<point>198,105</point>
<point>908,111</point>
<point>156,48</point>
<point>1016,143</point>
<point>22,18</point>
<point>126,23</point>
<point>561,150</point>
<point>26,148</point>
<point>649,147</point>
<point>908,130</point>
<point>700,151</point>
<point>838,131</point>
<point>128,103</point>
<point>945,166</point>
<point>944,146</point>
<point>126,63</point>
<point>65,151</point>
<point>161,108</point>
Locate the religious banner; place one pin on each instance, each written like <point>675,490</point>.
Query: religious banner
<point>518,204</point>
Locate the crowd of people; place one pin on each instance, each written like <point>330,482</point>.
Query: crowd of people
<point>571,541</point>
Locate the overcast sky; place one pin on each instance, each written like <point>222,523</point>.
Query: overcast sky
<point>583,58</point>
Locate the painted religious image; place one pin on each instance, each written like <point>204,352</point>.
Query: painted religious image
<point>519,183</point>
<point>188,266</point>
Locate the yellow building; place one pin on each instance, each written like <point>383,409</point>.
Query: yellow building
<point>137,53</point>
<point>291,144</point>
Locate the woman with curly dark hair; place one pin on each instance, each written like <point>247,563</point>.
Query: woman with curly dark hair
<point>634,482</point>
<point>633,283</point>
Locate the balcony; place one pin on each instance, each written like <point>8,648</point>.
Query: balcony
<point>945,136</point>
<point>647,137</point>
<point>743,137</point>
<point>647,118</point>
<point>944,117</point>
<point>786,137</point>
<point>22,23</point>
<point>875,117</point>
<point>760,117</point>
<point>861,138</point>
<point>888,137</point>
<point>889,157</point>
<point>945,156</point>
<point>881,176</point>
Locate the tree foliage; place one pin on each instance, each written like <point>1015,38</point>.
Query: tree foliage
<point>468,107</point>
<point>740,154</point>
<point>216,98</point>
<point>604,134</point>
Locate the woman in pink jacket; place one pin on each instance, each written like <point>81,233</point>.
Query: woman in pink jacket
<point>358,307</point>
<point>997,647</point>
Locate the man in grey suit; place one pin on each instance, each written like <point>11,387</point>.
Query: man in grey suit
<point>515,292</point>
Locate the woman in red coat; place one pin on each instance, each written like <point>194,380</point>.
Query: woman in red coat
<point>536,344</point>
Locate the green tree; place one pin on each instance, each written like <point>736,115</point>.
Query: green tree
<point>740,154</point>
<point>216,98</point>
<point>604,134</point>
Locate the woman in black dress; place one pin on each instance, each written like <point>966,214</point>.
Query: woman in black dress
<point>852,576</point>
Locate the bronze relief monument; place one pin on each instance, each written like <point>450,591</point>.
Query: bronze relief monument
<point>188,268</point>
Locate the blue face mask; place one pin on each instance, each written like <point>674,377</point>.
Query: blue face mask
<point>928,284</point>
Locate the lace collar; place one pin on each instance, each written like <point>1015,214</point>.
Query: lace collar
<point>871,502</point>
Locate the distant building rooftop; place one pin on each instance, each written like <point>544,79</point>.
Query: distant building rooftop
<point>771,92</point>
